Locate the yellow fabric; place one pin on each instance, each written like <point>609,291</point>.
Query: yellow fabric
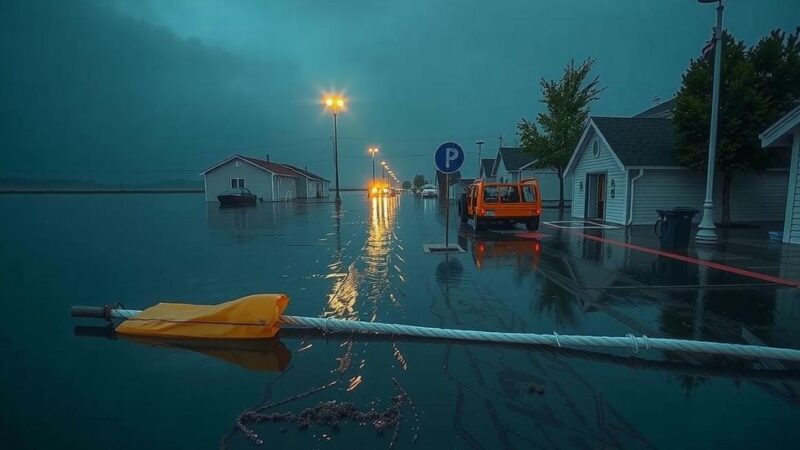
<point>251,317</point>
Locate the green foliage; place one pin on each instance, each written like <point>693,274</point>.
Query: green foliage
<point>758,85</point>
<point>419,181</point>
<point>406,184</point>
<point>555,133</point>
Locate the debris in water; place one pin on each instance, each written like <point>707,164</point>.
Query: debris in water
<point>534,388</point>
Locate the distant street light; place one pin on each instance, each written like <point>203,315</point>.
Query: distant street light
<point>705,233</point>
<point>373,151</point>
<point>480,160</point>
<point>383,166</point>
<point>335,103</point>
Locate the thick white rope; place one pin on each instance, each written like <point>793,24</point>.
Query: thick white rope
<point>555,340</point>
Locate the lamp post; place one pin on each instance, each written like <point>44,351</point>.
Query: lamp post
<point>383,166</point>
<point>373,151</point>
<point>335,103</point>
<point>705,233</point>
<point>480,161</point>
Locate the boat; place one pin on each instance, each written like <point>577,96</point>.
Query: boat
<point>237,197</point>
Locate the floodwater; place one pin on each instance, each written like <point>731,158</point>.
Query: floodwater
<point>85,388</point>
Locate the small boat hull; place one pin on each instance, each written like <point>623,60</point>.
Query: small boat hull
<point>236,200</point>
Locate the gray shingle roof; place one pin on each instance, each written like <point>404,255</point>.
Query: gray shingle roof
<point>487,164</point>
<point>640,141</point>
<point>661,110</point>
<point>514,158</point>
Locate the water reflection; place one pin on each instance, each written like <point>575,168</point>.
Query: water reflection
<point>263,355</point>
<point>249,222</point>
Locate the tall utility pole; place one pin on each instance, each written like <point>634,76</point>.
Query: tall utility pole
<point>335,103</point>
<point>336,156</point>
<point>705,233</point>
<point>480,159</point>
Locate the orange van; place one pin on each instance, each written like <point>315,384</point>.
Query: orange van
<point>488,202</point>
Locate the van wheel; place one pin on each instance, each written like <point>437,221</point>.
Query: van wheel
<point>480,225</point>
<point>532,224</point>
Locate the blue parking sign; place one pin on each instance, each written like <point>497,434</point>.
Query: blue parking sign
<point>449,157</point>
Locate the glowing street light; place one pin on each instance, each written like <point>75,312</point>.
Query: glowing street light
<point>335,103</point>
<point>373,151</point>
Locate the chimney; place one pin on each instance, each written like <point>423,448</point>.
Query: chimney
<point>267,157</point>
<point>305,167</point>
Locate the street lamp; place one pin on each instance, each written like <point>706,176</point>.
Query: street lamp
<point>335,103</point>
<point>373,151</point>
<point>480,161</point>
<point>383,166</point>
<point>705,233</point>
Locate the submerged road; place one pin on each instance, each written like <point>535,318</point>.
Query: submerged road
<point>365,261</point>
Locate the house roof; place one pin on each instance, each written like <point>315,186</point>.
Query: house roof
<point>514,158</point>
<point>487,164</point>
<point>305,173</point>
<point>779,134</point>
<point>640,141</point>
<point>661,110</point>
<point>277,169</point>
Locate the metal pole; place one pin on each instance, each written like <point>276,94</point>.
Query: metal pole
<point>336,156</point>
<point>373,168</point>
<point>706,234</point>
<point>447,212</point>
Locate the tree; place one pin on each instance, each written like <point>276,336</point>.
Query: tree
<point>757,86</point>
<point>419,181</point>
<point>554,135</point>
<point>406,185</point>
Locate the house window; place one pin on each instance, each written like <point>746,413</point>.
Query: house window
<point>596,147</point>
<point>237,183</point>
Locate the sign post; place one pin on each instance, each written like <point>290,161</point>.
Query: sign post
<point>449,158</point>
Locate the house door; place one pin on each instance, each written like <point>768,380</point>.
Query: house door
<point>596,196</point>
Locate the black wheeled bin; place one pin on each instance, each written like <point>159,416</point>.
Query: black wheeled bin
<point>674,228</point>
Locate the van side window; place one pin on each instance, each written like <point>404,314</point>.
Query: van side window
<point>490,194</point>
<point>528,194</point>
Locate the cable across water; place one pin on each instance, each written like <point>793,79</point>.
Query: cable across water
<point>635,343</point>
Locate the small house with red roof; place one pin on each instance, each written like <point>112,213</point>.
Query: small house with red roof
<point>269,181</point>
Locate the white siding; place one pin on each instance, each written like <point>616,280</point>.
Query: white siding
<point>606,163</point>
<point>284,188</point>
<point>548,183</point>
<point>502,175</point>
<point>219,179</point>
<point>791,229</point>
<point>303,187</point>
<point>666,189</point>
<point>754,197</point>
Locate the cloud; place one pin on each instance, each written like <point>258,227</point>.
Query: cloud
<point>85,90</point>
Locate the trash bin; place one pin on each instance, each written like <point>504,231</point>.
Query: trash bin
<point>674,228</point>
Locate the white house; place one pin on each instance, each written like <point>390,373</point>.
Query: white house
<point>310,185</point>
<point>513,164</point>
<point>269,181</point>
<point>485,172</point>
<point>626,168</point>
<point>786,133</point>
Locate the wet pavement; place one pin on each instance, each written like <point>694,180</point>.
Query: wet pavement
<point>365,261</point>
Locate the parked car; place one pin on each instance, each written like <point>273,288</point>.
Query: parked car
<point>489,203</point>
<point>429,190</point>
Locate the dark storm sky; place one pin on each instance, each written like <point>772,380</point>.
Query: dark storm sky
<point>158,89</point>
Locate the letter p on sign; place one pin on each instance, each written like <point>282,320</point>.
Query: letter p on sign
<point>449,157</point>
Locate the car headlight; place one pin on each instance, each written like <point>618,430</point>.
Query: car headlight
<point>374,190</point>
